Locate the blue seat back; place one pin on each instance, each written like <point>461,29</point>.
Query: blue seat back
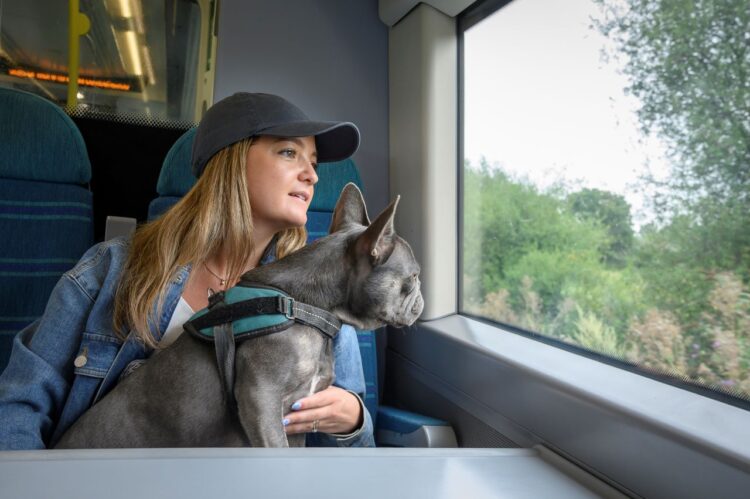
<point>176,179</point>
<point>45,206</point>
<point>332,177</point>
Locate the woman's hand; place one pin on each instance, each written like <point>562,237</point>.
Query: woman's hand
<point>334,409</point>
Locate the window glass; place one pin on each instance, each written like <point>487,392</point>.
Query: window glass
<point>138,58</point>
<point>606,180</point>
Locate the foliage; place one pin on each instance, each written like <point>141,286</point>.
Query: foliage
<point>538,261</point>
<point>656,342</point>
<point>521,240</point>
<point>592,333</point>
<point>504,218</point>
<point>688,63</point>
<point>613,212</point>
<point>728,323</point>
<point>670,262</point>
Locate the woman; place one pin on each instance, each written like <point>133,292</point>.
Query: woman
<point>255,157</point>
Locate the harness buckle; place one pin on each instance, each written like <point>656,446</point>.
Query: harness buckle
<point>215,298</point>
<point>286,306</point>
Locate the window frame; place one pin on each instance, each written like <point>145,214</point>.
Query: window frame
<point>473,15</point>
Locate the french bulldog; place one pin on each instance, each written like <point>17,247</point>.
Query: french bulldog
<point>362,272</point>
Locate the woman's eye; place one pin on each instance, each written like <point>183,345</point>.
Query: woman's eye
<point>289,153</point>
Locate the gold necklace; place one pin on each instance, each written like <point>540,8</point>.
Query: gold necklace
<point>222,280</point>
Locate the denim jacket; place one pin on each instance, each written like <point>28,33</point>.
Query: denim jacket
<point>68,359</point>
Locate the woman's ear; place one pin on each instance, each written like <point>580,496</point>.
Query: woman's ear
<point>350,209</point>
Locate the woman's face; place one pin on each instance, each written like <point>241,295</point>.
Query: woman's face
<point>280,178</point>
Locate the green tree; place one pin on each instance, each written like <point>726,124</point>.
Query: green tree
<point>505,220</point>
<point>613,212</point>
<point>688,62</point>
<point>529,259</point>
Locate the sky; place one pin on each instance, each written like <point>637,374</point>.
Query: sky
<point>541,102</point>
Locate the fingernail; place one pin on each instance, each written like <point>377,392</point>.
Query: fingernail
<point>296,406</point>
<point>285,421</point>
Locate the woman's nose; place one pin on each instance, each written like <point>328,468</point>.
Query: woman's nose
<point>309,174</point>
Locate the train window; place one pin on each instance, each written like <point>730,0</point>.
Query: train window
<point>606,181</point>
<point>136,58</point>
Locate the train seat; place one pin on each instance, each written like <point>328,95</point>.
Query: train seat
<point>46,210</point>
<point>175,177</point>
<point>394,427</point>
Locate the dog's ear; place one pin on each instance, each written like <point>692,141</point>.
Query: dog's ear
<point>377,241</point>
<point>350,209</point>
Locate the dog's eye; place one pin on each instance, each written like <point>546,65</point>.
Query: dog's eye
<point>409,283</point>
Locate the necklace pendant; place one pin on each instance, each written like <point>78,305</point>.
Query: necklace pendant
<point>222,280</point>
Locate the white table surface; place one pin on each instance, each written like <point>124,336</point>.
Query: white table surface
<point>271,473</point>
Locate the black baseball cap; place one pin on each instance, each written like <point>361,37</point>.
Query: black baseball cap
<point>246,114</point>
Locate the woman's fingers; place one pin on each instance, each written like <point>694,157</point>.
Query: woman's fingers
<point>309,425</point>
<point>303,420</point>
<point>332,410</point>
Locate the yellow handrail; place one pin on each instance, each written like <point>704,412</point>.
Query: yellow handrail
<point>78,25</point>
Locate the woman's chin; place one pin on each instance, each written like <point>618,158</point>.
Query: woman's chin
<point>301,221</point>
<point>296,222</point>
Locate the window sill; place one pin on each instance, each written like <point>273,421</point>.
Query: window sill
<point>650,437</point>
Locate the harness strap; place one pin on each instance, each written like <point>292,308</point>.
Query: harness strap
<point>224,348</point>
<point>320,319</point>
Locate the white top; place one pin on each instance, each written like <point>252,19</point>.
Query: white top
<point>182,313</point>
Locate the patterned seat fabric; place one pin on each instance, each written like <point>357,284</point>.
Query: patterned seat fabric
<point>45,206</point>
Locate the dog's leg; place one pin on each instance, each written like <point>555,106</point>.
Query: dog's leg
<point>260,414</point>
<point>272,372</point>
<point>257,390</point>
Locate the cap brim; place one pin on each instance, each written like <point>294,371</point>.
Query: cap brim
<point>334,141</point>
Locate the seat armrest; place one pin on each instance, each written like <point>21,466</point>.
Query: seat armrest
<point>119,226</point>
<point>400,428</point>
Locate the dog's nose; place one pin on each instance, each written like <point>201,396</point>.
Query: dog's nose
<point>417,307</point>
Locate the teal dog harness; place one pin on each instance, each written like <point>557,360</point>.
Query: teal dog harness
<point>256,311</point>
<point>251,310</point>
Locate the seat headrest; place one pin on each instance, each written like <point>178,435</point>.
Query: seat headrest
<point>39,141</point>
<point>176,177</point>
<point>332,177</point>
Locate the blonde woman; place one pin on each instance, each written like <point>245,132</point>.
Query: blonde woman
<point>255,156</point>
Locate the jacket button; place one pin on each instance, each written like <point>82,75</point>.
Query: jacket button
<point>80,361</point>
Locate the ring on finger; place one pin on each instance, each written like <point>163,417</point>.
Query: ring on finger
<point>315,426</point>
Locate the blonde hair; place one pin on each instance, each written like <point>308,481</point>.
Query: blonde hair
<point>215,214</point>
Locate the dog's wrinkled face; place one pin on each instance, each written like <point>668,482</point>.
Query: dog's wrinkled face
<point>396,284</point>
<point>383,287</point>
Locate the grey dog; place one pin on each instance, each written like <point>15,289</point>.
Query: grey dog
<point>362,272</point>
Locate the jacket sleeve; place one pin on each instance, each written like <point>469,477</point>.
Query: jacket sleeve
<point>349,376</point>
<point>35,384</point>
